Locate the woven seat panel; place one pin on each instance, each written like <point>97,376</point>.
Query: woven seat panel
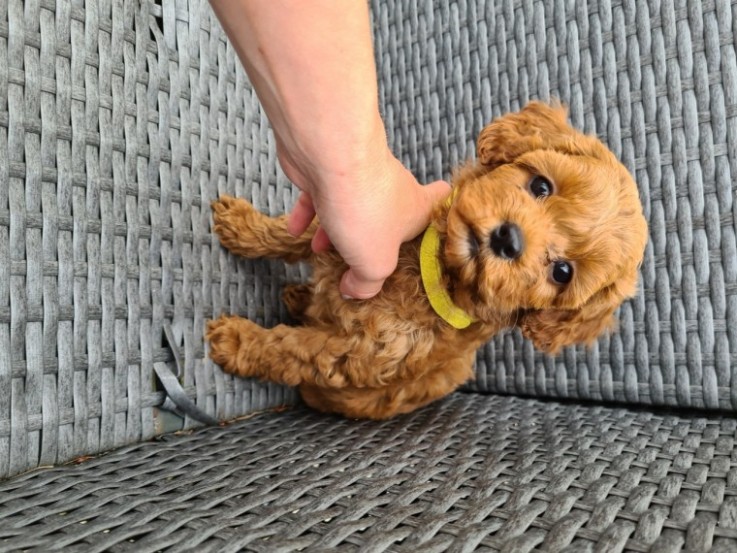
<point>657,81</point>
<point>474,472</point>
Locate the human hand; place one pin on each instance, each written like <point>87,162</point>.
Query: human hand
<point>365,213</point>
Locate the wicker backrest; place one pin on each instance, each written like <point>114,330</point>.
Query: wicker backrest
<point>658,83</point>
<point>121,121</point>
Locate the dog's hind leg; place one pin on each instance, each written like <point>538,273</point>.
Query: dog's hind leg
<point>249,233</point>
<point>297,298</point>
<point>309,355</point>
<point>283,354</point>
<point>389,401</point>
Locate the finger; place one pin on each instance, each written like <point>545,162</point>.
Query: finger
<point>437,191</point>
<point>320,241</point>
<point>301,216</point>
<point>421,211</point>
<point>354,287</point>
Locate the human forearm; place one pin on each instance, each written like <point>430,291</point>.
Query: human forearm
<point>295,52</point>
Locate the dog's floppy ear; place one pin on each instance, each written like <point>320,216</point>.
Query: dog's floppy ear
<point>552,329</point>
<point>538,126</point>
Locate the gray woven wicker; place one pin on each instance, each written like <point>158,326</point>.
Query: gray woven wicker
<point>120,121</point>
<point>471,473</point>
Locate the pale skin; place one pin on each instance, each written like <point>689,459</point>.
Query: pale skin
<point>312,67</point>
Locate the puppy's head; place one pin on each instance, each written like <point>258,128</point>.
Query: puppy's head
<point>546,229</point>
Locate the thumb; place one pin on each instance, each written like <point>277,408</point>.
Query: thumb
<point>427,197</point>
<point>353,286</point>
<point>437,191</point>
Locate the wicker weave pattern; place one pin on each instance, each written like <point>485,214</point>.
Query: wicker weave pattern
<point>120,121</point>
<point>472,473</point>
<point>114,137</point>
<point>658,83</point>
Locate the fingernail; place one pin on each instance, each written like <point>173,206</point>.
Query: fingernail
<point>347,297</point>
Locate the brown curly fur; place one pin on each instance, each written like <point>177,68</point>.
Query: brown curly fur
<point>393,354</point>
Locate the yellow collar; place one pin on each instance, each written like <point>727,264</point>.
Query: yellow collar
<point>432,276</point>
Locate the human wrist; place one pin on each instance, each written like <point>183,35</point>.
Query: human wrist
<point>347,150</point>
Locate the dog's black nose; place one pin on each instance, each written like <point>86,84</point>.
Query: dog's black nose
<point>506,241</point>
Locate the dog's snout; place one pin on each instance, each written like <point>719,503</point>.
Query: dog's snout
<point>506,241</point>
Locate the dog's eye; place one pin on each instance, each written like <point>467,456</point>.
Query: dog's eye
<point>562,272</point>
<point>541,187</point>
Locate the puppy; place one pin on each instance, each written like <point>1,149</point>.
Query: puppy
<point>544,232</point>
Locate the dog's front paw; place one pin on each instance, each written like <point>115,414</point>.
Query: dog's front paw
<point>229,338</point>
<point>234,220</point>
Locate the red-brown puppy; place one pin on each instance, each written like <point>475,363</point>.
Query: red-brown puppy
<point>545,232</point>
